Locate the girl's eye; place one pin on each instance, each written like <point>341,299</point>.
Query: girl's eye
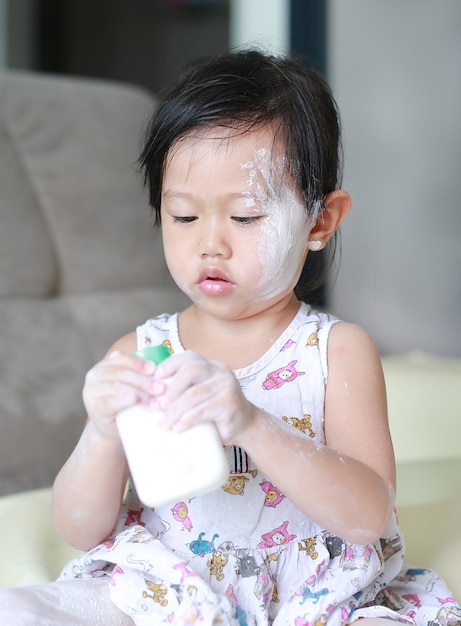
<point>245,220</point>
<point>184,219</point>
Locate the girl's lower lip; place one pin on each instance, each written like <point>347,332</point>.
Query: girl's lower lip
<point>215,287</point>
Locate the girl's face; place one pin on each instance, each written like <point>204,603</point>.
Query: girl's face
<point>235,230</point>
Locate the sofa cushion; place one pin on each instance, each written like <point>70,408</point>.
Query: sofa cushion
<point>80,261</point>
<point>105,316</point>
<point>27,262</point>
<point>41,410</point>
<point>78,217</point>
<point>50,345</point>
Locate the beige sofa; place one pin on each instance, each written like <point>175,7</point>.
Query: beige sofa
<point>80,262</point>
<point>80,265</point>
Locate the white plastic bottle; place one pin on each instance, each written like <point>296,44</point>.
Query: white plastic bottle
<point>168,466</point>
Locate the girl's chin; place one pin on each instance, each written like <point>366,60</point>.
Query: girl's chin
<point>222,298</point>
<point>230,310</point>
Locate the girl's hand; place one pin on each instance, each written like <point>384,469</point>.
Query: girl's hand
<point>118,381</point>
<point>201,390</point>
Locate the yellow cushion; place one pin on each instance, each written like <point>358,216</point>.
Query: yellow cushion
<point>433,539</point>
<point>424,399</point>
<point>31,550</point>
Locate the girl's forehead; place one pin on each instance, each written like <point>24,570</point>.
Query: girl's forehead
<point>250,154</point>
<point>233,140</point>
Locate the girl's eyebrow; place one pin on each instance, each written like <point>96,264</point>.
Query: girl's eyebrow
<point>171,193</point>
<point>231,195</point>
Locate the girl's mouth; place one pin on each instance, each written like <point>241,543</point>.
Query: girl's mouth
<point>213,282</point>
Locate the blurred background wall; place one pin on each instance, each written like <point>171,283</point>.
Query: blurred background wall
<point>395,68</point>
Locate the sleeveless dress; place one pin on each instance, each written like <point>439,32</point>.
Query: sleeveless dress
<point>244,554</point>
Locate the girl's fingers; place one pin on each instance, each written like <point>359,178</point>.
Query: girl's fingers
<point>188,387</point>
<point>109,402</point>
<point>127,369</point>
<point>184,371</point>
<point>115,383</point>
<point>201,390</point>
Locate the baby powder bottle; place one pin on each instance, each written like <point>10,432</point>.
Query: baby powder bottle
<point>168,466</point>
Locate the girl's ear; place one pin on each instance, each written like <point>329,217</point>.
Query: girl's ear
<point>336,206</point>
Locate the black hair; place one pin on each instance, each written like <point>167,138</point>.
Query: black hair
<point>247,89</point>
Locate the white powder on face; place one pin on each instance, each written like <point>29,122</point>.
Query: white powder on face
<point>286,227</point>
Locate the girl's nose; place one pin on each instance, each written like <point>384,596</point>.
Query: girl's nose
<point>214,242</point>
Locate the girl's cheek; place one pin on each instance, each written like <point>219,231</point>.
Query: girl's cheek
<point>284,233</point>
<point>176,267</point>
<point>282,244</point>
<point>181,281</point>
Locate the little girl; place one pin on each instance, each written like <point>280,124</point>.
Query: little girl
<point>242,162</point>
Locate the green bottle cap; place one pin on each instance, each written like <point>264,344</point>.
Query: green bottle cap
<point>156,354</point>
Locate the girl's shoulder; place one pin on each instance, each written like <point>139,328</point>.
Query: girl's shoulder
<point>127,343</point>
<point>353,353</point>
<point>349,338</point>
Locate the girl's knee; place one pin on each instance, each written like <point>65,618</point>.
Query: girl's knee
<point>76,602</point>
<point>18,607</point>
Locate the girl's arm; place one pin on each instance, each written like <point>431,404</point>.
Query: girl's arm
<point>347,486</point>
<point>88,491</point>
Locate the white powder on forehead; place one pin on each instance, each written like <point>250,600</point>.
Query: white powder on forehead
<point>286,228</point>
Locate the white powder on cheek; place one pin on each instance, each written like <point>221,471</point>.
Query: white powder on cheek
<point>286,228</point>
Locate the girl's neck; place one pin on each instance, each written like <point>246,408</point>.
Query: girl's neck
<point>238,343</point>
